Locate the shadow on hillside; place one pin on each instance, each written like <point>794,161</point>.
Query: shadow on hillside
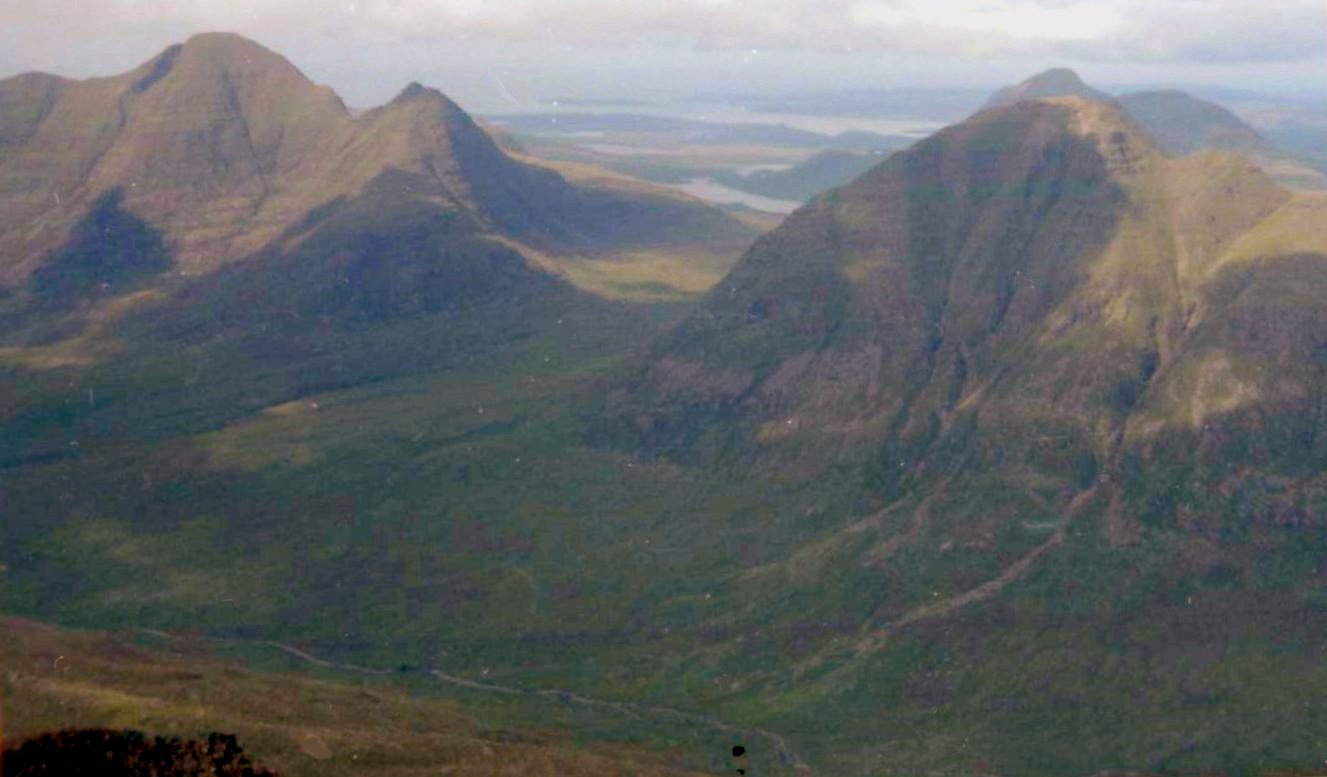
<point>110,251</point>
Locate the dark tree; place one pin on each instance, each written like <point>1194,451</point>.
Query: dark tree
<point>128,754</point>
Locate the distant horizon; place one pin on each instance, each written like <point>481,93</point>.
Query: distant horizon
<point>1299,93</point>
<point>523,54</point>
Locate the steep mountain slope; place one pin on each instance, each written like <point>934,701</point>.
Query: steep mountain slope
<point>1080,379</point>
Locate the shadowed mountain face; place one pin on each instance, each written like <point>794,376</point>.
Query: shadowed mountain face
<point>196,138</point>
<point>945,254</point>
<point>215,196</point>
<point>213,216</point>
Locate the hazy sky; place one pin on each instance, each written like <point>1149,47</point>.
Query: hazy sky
<point>508,54</point>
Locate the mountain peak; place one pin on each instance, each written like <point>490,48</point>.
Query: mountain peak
<point>226,43</point>
<point>1061,77</point>
<point>209,56</point>
<point>1055,82</point>
<point>417,92</point>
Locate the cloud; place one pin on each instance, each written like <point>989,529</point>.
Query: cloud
<point>1107,30</point>
<point>1020,20</point>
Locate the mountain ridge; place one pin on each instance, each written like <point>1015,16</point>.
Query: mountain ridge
<point>223,144</point>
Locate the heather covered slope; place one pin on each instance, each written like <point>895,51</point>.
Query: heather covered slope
<point>1042,267</point>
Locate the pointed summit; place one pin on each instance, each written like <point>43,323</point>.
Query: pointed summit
<point>418,99</point>
<point>415,91</point>
<point>1056,82</point>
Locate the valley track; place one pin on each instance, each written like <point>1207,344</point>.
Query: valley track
<point>786,756</point>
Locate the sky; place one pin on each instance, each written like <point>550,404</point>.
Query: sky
<point>502,55</point>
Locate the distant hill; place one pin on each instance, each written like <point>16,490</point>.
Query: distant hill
<point>1179,123</point>
<point>911,103</point>
<point>1182,124</point>
<point>1305,136</point>
<point>692,131</point>
<point>1056,82</point>
<point>821,172</point>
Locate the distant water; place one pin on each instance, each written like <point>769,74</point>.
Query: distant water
<point>613,149</point>
<point>765,168</point>
<point>826,124</point>
<point>712,191</point>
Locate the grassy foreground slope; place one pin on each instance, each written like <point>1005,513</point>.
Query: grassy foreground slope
<point>294,723</point>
